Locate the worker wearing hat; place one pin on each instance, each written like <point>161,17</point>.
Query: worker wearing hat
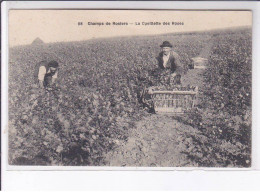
<point>168,59</point>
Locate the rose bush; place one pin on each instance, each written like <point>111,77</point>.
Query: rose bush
<point>224,112</point>
<point>95,101</point>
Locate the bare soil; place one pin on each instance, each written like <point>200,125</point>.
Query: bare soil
<point>158,140</point>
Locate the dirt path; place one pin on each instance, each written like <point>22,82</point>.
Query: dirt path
<point>159,140</point>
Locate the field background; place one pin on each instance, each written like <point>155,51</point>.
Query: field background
<point>93,117</point>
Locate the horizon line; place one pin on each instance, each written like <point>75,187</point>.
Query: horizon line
<point>141,35</point>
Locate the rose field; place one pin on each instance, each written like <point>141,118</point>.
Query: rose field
<point>93,116</point>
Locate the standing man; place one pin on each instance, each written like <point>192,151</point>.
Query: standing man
<point>168,59</point>
<point>48,73</point>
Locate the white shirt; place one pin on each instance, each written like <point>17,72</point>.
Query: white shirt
<point>165,60</point>
<point>42,73</point>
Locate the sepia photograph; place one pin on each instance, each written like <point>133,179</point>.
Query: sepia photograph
<point>130,88</point>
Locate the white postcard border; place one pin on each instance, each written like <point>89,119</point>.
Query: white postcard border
<point>27,177</point>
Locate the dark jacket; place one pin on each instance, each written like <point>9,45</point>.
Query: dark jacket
<point>48,78</point>
<point>173,63</point>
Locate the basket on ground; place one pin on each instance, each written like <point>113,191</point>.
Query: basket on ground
<point>199,63</point>
<point>173,102</point>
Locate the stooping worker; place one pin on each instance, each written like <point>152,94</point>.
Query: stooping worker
<point>168,59</point>
<point>47,73</point>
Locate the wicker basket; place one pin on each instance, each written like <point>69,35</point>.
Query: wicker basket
<point>199,63</point>
<point>173,102</point>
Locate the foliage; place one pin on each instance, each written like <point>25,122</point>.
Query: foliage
<point>224,112</point>
<point>95,102</point>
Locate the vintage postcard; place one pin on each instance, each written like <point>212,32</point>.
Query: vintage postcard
<point>130,88</point>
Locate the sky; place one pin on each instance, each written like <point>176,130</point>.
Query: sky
<point>62,25</point>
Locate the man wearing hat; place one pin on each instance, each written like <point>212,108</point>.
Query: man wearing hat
<point>47,73</point>
<point>168,59</point>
